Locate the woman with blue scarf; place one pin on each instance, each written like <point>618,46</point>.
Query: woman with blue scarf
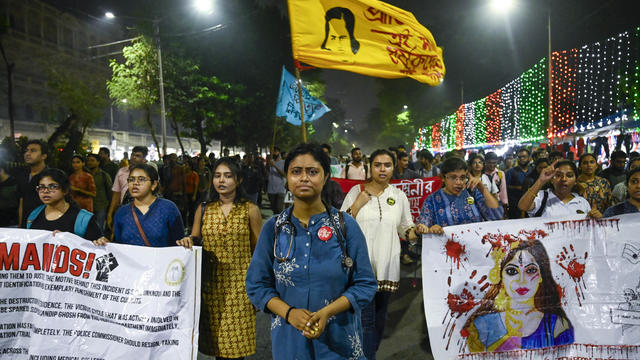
<point>461,200</point>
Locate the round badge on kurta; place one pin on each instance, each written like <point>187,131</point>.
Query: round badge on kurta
<point>391,201</point>
<point>470,200</point>
<point>325,233</point>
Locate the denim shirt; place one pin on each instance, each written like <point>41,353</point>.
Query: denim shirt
<point>311,277</point>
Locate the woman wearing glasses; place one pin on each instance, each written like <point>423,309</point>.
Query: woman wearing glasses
<point>311,269</point>
<point>59,213</point>
<point>148,220</point>
<point>461,200</point>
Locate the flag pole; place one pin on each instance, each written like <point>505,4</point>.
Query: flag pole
<point>275,129</point>
<point>304,130</point>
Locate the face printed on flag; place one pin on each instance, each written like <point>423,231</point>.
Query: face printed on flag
<point>368,37</point>
<point>339,35</point>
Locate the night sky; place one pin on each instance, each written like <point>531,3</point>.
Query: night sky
<point>483,50</point>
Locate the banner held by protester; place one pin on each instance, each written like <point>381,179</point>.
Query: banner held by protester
<point>63,297</point>
<point>535,289</point>
<point>368,37</point>
<point>416,190</point>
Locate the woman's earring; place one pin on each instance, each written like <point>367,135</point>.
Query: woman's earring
<point>501,301</point>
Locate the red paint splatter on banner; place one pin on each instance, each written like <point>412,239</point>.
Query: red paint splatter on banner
<point>482,279</point>
<point>464,333</point>
<point>455,251</point>
<point>582,223</point>
<point>461,303</point>
<point>575,268</point>
<point>473,273</point>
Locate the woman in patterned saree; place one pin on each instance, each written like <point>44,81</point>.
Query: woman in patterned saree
<point>311,269</point>
<point>229,225</point>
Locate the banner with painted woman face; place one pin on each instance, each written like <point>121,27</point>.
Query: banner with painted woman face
<point>534,289</point>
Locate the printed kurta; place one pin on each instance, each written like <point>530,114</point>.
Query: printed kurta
<point>228,320</point>
<point>598,193</point>
<point>383,219</point>
<point>311,277</point>
<point>445,210</point>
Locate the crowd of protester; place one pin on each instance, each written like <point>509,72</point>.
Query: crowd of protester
<point>218,201</point>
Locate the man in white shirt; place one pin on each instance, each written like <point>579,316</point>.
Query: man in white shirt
<point>356,169</point>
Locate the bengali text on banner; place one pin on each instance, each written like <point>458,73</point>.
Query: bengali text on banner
<point>63,297</point>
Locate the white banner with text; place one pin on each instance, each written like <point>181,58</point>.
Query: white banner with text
<point>61,297</point>
<point>534,289</point>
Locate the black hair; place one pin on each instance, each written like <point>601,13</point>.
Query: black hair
<point>44,148</point>
<point>84,162</point>
<point>524,149</point>
<point>630,173</point>
<point>402,155</point>
<point>151,172</point>
<point>345,14</point>
<point>274,148</point>
<point>236,170</point>
<point>312,149</point>
<point>586,155</point>
<point>555,153</point>
<point>140,149</point>
<point>634,155</point>
<point>326,146</point>
<point>61,178</point>
<point>105,150</point>
<point>382,152</point>
<point>354,150</point>
<point>490,156</point>
<point>425,154</point>
<point>569,163</point>
<point>618,154</point>
<point>541,160</point>
<point>453,164</point>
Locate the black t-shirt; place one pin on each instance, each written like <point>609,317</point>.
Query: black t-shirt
<point>27,191</point>
<point>67,223</point>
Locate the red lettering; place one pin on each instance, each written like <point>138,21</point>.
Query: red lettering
<point>47,252</point>
<point>11,260</point>
<point>30,258</point>
<point>58,257</point>
<point>77,265</point>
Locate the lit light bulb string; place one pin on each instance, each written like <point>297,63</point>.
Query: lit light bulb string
<point>590,87</point>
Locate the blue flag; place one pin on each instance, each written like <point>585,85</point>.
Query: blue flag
<point>289,104</point>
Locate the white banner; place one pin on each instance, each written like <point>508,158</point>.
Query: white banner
<point>534,289</point>
<point>61,297</point>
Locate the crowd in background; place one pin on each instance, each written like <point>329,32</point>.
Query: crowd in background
<point>216,203</point>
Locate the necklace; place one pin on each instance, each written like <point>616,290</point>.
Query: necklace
<point>61,212</point>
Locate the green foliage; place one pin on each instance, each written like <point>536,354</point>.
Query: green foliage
<point>83,96</point>
<point>137,79</point>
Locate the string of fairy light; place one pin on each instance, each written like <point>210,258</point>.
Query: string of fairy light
<point>593,86</point>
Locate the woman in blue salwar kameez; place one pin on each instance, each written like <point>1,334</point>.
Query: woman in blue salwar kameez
<point>461,200</point>
<point>311,269</point>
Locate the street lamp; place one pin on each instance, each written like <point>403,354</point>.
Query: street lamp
<point>201,5</point>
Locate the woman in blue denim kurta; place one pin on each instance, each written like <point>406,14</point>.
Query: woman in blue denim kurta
<point>315,300</point>
<point>460,201</point>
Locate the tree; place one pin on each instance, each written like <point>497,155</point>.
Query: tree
<point>82,96</point>
<point>9,66</point>
<point>134,84</point>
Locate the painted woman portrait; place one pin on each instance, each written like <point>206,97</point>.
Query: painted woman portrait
<point>522,309</point>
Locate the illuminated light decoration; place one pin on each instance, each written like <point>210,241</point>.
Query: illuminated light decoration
<point>469,127</point>
<point>460,127</point>
<point>593,86</point>
<point>480,123</point>
<point>436,137</point>
<point>494,114</point>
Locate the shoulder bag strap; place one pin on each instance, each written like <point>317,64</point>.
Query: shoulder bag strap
<point>543,205</point>
<point>135,217</point>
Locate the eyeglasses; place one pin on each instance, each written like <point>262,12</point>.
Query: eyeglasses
<point>139,179</point>
<point>462,179</point>
<point>50,187</point>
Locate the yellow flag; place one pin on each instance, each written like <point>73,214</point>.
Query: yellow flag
<point>368,37</point>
